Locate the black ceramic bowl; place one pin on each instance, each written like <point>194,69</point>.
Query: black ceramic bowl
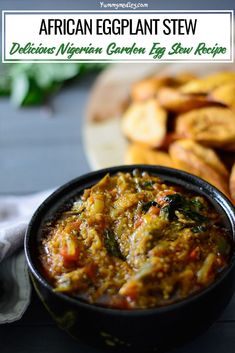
<point>157,328</point>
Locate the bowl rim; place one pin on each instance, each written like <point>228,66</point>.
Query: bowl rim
<point>202,186</point>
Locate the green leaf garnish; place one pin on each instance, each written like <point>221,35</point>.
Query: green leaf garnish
<point>112,245</point>
<point>146,206</point>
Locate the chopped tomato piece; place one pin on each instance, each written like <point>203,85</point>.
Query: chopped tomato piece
<point>90,270</point>
<point>154,210</point>
<point>70,251</point>
<point>73,226</point>
<point>138,222</point>
<point>161,196</point>
<point>195,254</point>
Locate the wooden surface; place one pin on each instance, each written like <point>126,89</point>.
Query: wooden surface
<point>41,148</point>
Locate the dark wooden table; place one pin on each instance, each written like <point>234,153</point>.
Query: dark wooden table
<point>42,148</point>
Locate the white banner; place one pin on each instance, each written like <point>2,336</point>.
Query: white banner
<point>103,36</point>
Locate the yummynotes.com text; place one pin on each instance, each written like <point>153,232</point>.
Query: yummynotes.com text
<point>123,5</point>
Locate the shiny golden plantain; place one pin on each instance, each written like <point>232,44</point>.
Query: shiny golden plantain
<point>208,83</point>
<point>224,94</point>
<point>201,161</point>
<point>139,154</point>
<point>212,126</point>
<point>147,88</point>
<point>145,122</point>
<point>201,117</point>
<point>184,77</point>
<point>176,101</point>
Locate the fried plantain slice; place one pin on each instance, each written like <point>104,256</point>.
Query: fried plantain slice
<point>208,83</point>
<point>184,77</point>
<point>176,101</point>
<point>224,94</point>
<point>148,88</point>
<point>232,184</point>
<point>205,154</point>
<point>140,154</point>
<point>212,126</point>
<point>145,122</point>
<point>201,161</point>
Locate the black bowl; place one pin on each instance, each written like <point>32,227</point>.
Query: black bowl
<point>158,328</point>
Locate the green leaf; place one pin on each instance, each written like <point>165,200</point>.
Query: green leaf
<point>46,74</point>
<point>197,204</point>
<point>5,85</point>
<point>146,206</point>
<point>35,95</point>
<point>148,184</point>
<point>32,83</point>
<point>177,202</point>
<point>112,245</point>
<point>20,88</point>
<point>174,202</point>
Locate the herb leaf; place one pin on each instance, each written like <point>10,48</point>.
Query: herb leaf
<point>174,202</point>
<point>195,216</point>
<point>112,245</point>
<point>32,83</point>
<point>146,206</point>
<point>148,184</point>
<point>177,202</point>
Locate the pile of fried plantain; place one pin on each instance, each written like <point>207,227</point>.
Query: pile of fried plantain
<point>185,122</point>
